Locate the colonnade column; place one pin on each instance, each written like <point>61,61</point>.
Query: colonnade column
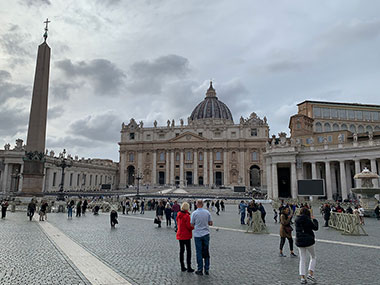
<point>269,179</point>
<point>314,170</point>
<point>357,170</point>
<point>167,175</point>
<point>172,168</point>
<point>195,167</point>
<point>205,173</point>
<point>293,179</point>
<point>154,169</point>
<point>211,172</point>
<point>225,168</point>
<point>343,184</point>
<point>274,181</point>
<point>374,170</point>
<point>328,181</point>
<point>242,168</point>
<point>21,178</point>
<point>123,178</point>
<point>181,182</point>
<point>139,162</point>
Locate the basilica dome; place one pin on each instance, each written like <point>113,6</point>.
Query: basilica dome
<point>211,108</point>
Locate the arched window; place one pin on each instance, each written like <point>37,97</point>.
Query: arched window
<point>369,129</point>
<point>162,156</point>
<point>335,127</point>
<point>177,156</point>
<point>360,129</point>
<point>254,156</point>
<point>352,129</point>
<point>233,155</point>
<point>218,155</point>
<point>327,127</point>
<point>131,157</point>
<point>189,156</point>
<point>200,156</point>
<point>344,127</point>
<point>318,127</point>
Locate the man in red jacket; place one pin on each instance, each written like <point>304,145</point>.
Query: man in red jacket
<point>184,235</point>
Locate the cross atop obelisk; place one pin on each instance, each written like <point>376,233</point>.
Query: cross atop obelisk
<point>34,161</point>
<point>46,29</point>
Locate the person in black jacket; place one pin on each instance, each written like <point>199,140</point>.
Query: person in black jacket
<point>160,213</point>
<point>326,214</point>
<point>305,240</point>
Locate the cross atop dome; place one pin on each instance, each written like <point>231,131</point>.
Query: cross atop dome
<point>211,91</point>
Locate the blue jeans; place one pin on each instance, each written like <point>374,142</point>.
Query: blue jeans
<point>175,218</point>
<point>242,217</point>
<point>70,212</point>
<point>201,247</point>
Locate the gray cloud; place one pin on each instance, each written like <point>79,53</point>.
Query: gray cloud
<point>148,77</point>
<point>106,77</point>
<point>12,121</point>
<point>63,90</point>
<point>102,127</point>
<point>55,112</point>
<point>286,65</point>
<point>10,90</point>
<point>36,3</point>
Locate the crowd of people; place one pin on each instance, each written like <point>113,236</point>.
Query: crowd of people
<point>326,210</point>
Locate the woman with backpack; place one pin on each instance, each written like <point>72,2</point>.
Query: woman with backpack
<point>305,240</point>
<point>286,231</point>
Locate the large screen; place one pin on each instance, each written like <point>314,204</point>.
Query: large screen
<point>311,187</point>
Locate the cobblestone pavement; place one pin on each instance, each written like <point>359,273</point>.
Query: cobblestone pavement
<point>144,254</point>
<point>28,257</point>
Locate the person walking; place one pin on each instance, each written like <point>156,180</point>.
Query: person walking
<point>377,212</point>
<point>123,206</point>
<point>168,215</point>
<point>134,207</point>
<point>4,206</point>
<point>184,235</point>
<point>127,206</point>
<point>305,240</point>
<point>242,210</point>
<point>217,206</point>
<point>286,231</point>
<point>79,208</point>
<point>175,209</point>
<point>222,205</point>
<point>201,220</point>
<point>70,207</point>
<point>160,213</point>
<point>113,218</point>
<point>31,209</point>
<point>84,206</point>
<point>43,210</point>
<point>326,214</point>
<point>142,205</point>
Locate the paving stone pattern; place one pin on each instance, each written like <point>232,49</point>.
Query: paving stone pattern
<point>144,254</point>
<point>28,257</point>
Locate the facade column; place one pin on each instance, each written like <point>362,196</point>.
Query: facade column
<point>374,170</point>
<point>343,184</point>
<point>181,182</point>
<point>123,177</point>
<point>21,178</point>
<point>293,180</point>
<point>139,162</point>
<point>167,175</point>
<point>275,193</point>
<point>172,182</point>
<point>242,168</point>
<point>269,179</point>
<point>205,172</point>
<point>313,170</point>
<point>225,168</point>
<point>357,170</point>
<point>195,167</point>
<point>211,172</point>
<point>5,178</point>
<point>328,181</point>
<point>154,168</point>
<point>348,178</point>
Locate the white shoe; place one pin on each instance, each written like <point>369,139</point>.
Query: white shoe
<point>311,278</point>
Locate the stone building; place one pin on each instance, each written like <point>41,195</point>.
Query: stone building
<point>82,175</point>
<point>210,150</point>
<point>329,141</point>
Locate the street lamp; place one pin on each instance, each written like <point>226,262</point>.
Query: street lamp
<point>138,177</point>
<point>63,162</point>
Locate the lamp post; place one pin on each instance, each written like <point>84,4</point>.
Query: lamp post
<point>63,162</point>
<point>138,177</point>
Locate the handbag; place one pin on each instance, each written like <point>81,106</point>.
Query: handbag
<point>156,221</point>
<point>288,229</point>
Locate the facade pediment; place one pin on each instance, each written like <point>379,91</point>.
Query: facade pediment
<point>188,137</point>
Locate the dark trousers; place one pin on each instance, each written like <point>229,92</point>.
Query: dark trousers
<point>327,223</point>
<point>282,243</point>
<point>3,212</point>
<point>182,244</point>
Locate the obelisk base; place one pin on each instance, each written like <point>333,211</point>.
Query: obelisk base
<point>33,178</point>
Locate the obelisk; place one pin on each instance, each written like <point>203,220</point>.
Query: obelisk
<point>34,160</point>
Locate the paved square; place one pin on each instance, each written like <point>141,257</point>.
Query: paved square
<point>141,253</point>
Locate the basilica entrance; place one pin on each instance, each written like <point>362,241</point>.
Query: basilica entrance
<point>189,178</point>
<point>284,182</point>
<point>161,177</point>
<point>254,176</point>
<point>218,178</point>
<point>176,180</point>
<point>200,180</point>
<point>131,175</point>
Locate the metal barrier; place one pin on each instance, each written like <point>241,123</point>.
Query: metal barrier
<point>348,223</point>
<point>256,224</point>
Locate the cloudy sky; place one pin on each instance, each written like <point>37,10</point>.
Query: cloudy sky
<point>152,60</point>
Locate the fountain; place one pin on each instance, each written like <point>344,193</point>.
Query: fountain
<point>367,191</point>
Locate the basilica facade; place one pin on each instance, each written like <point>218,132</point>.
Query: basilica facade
<point>210,150</point>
